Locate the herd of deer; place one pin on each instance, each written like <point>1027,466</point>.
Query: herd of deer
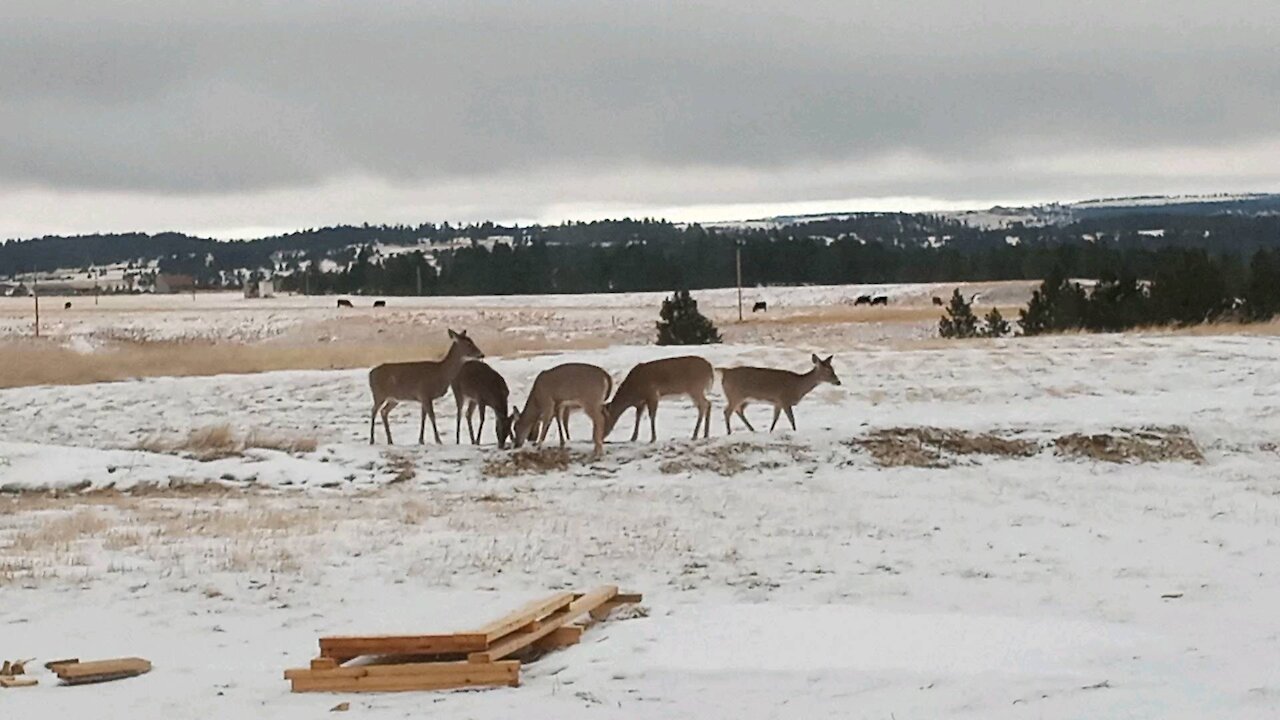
<point>578,386</point>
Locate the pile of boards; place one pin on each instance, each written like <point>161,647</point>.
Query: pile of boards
<point>480,657</point>
<point>74,672</point>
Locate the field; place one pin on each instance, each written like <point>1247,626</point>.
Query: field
<point>1075,526</point>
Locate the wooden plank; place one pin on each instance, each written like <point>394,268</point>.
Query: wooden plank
<point>520,640</point>
<point>619,600</point>
<point>342,648</point>
<point>101,670</point>
<point>323,663</point>
<point>561,637</point>
<point>437,670</point>
<point>394,678</point>
<point>525,616</point>
<point>17,681</point>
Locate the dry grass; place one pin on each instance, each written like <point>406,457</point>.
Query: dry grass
<point>935,447</point>
<point>44,362</point>
<point>531,461</point>
<point>215,442</point>
<point>402,465</point>
<point>1152,444</point>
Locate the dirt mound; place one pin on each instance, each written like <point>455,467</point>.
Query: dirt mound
<point>936,447</point>
<point>532,461</point>
<point>1150,444</point>
<point>730,458</point>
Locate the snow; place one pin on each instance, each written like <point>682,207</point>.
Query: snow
<point>809,582</point>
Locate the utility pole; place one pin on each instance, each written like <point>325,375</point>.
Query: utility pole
<point>35,293</point>
<point>418,267</point>
<point>738,247</point>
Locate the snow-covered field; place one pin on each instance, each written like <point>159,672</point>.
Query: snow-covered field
<point>790,574</point>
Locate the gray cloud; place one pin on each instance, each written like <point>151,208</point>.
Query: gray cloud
<point>178,99</point>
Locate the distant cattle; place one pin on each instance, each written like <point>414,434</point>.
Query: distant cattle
<point>67,306</point>
<point>937,300</point>
<point>863,300</point>
<point>880,300</point>
<point>379,303</point>
<point>345,303</point>
<point>760,306</point>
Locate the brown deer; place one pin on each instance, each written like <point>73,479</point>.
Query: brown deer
<point>557,391</point>
<point>477,384</point>
<point>782,388</point>
<point>649,382</point>
<point>422,382</point>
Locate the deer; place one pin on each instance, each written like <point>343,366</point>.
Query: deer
<point>649,382</point>
<point>477,384</point>
<point>782,388</point>
<point>421,381</point>
<point>554,394</point>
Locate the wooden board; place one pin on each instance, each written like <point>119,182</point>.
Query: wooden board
<point>17,681</point>
<point>561,637</point>
<point>101,670</point>
<point>520,640</point>
<point>405,676</point>
<point>343,648</point>
<point>527,615</point>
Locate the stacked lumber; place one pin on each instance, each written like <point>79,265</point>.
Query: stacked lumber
<point>477,658</point>
<point>81,673</point>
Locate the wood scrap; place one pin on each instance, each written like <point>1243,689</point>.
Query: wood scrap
<point>17,681</point>
<point>81,673</point>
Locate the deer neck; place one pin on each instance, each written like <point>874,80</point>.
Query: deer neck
<point>453,360</point>
<point>808,381</point>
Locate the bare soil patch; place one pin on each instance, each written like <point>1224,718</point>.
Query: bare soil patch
<point>1151,444</point>
<point>215,442</point>
<point>937,447</point>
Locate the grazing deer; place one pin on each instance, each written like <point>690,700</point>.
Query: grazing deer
<point>344,303</point>
<point>649,382</point>
<point>880,300</point>
<point>478,384</point>
<point>760,306</point>
<point>782,388</point>
<point>557,391</point>
<point>422,382</point>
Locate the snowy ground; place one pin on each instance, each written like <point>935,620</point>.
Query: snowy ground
<point>785,575</point>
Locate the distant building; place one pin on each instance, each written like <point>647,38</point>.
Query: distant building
<point>168,284</point>
<point>264,288</point>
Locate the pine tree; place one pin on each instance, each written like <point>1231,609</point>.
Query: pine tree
<point>1057,305</point>
<point>959,320</point>
<point>682,324</point>
<point>994,325</point>
<point>1262,293</point>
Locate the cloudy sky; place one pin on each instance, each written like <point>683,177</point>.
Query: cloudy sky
<point>234,118</point>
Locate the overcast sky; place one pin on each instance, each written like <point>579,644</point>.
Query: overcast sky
<point>234,118</point>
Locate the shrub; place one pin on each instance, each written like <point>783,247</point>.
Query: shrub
<point>958,320</point>
<point>1058,305</point>
<point>994,325</point>
<point>682,324</point>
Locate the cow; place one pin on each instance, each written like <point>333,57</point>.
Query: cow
<point>379,303</point>
<point>863,300</point>
<point>880,300</point>
<point>937,300</point>
<point>760,306</point>
<point>344,303</point>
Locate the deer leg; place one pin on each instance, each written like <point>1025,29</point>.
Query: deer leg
<point>792,418</point>
<point>597,429</point>
<point>422,426</point>
<point>777,413</point>
<point>653,420</point>
<point>704,416</point>
<point>743,415</point>
<point>471,433</point>
<point>480,427</point>
<point>457,438</point>
<point>562,415</point>
<point>544,425</point>
<point>373,419</point>
<point>565,412</point>
<point>431,413</point>
<point>636,433</point>
<point>386,410</point>
<point>728,413</point>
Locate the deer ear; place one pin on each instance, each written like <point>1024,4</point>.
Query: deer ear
<point>827,362</point>
<point>816,360</point>
<point>453,335</point>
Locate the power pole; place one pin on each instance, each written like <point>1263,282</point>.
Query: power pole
<point>35,293</point>
<point>738,247</point>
